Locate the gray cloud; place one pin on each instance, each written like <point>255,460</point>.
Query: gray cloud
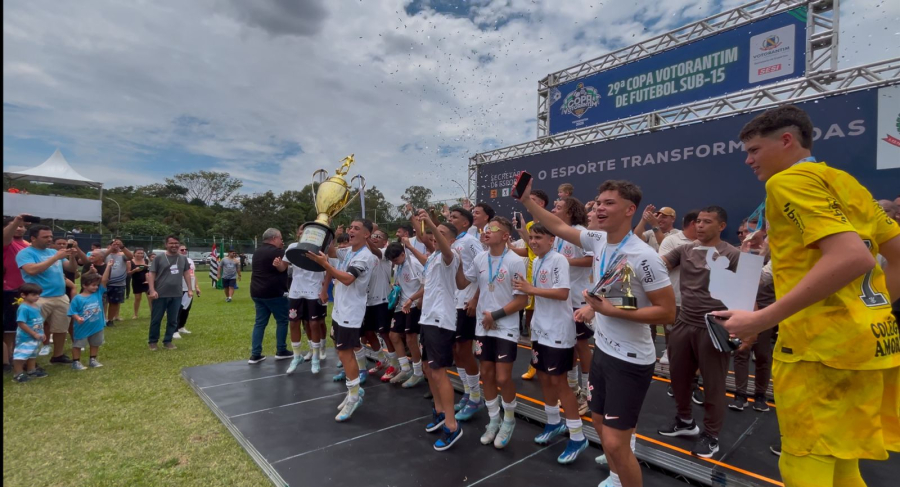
<point>281,17</point>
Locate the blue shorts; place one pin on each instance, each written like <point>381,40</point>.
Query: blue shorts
<point>115,294</point>
<point>26,349</point>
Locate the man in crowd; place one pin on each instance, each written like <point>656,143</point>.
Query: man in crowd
<point>13,243</point>
<point>119,255</point>
<point>661,225</point>
<point>230,273</point>
<point>167,275</point>
<point>268,284</point>
<point>482,213</point>
<point>670,243</point>
<point>825,230</point>
<point>377,321</point>
<point>405,230</point>
<point>689,345</point>
<point>43,264</point>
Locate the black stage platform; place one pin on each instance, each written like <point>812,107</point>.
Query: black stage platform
<point>287,426</point>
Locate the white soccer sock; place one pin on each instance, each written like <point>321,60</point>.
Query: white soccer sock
<point>353,390</point>
<point>464,378</point>
<point>381,356</point>
<point>417,368</point>
<point>315,351</point>
<point>575,427</point>
<point>585,382</point>
<point>509,410</point>
<point>361,359</point>
<point>392,358</point>
<point>404,363</point>
<point>322,343</point>
<point>295,346</point>
<point>493,407</point>
<point>614,478</point>
<point>633,440</point>
<point>552,414</point>
<point>474,387</point>
<point>572,377</point>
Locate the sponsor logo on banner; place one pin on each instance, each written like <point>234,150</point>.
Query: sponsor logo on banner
<point>772,54</point>
<point>580,100</point>
<point>505,192</point>
<point>888,153</point>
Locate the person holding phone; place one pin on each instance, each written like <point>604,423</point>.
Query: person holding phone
<point>137,269</point>
<point>13,243</point>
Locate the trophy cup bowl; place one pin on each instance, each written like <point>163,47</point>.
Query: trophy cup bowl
<point>330,198</point>
<point>615,285</point>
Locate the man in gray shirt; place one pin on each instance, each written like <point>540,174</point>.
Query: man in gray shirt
<point>115,290</point>
<point>167,272</point>
<point>229,273</point>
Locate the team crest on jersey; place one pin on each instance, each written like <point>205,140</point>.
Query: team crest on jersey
<point>478,346</point>
<point>407,278</point>
<point>544,276</point>
<point>292,314</point>
<point>534,356</point>
<point>568,251</point>
<point>501,275</point>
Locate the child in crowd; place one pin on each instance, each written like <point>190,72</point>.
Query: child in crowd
<point>87,311</point>
<point>565,190</point>
<point>29,335</point>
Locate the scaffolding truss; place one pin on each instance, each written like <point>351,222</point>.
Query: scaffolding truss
<point>875,75</point>
<point>821,44</point>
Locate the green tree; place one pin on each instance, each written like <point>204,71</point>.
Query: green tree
<point>207,186</point>
<point>417,196</point>
<point>144,226</point>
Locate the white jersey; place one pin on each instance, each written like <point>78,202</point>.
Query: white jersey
<point>669,244</point>
<point>579,277</point>
<point>304,284</point>
<point>553,323</point>
<point>380,284</point>
<point>625,339</point>
<point>438,306</point>
<point>350,301</point>
<point>468,247</point>
<point>418,245</point>
<point>409,276</point>
<point>501,269</point>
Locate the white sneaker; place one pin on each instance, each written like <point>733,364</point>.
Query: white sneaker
<point>322,353</point>
<point>664,360</point>
<point>184,331</point>
<point>45,350</point>
<point>307,357</point>
<point>490,432</point>
<point>176,335</point>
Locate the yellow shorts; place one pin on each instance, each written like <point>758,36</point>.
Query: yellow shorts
<point>841,413</point>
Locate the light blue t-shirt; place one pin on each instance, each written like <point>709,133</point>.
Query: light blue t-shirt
<point>52,280</point>
<point>31,316</point>
<point>90,308</point>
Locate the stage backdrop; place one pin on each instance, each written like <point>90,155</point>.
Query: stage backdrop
<point>697,165</point>
<point>763,52</point>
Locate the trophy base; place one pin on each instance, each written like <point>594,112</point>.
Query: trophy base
<point>622,302</point>
<point>315,238</point>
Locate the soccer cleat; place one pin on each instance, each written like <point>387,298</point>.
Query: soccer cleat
<point>607,482</point>
<point>294,364</point>
<point>759,404</point>
<point>77,365</point>
<point>363,376</point>
<point>308,356</point>
<point>573,449</point>
<point>582,403</point>
<point>401,376</point>
<point>94,363</point>
<point>739,403</point>
<point>680,428</point>
<point>379,366</point>
<point>550,431</point>
<point>340,377</point>
<point>530,373</point>
<point>389,374</point>
<point>437,421</point>
<point>697,397</point>
<point>706,446</point>
<point>322,353</point>
<point>362,392</point>
<point>462,403</point>
<point>469,410</point>
<point>348,409</point>
<point>448,438</point>
<point>601,460</point>
<point>490,431</point>
<point>414,381</point>
<point>505,434</point>
<point>315,367</point>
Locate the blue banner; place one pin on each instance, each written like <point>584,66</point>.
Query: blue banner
<point>763,52</point>
<point>698,165</point>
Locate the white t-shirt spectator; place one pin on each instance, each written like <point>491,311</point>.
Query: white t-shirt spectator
<point>502,269</point>
<point>350,301</point>
<point>304,284</point>
<point>553,323</point>
<point>438,305</point>
<point>651,237</point>
<point>625,339</point>
<point>669,244</point>
<point>409,276</point>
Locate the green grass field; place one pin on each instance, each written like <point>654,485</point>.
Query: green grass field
<point>134,421</point>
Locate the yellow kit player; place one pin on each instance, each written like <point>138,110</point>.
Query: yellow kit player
<point>837,359</point>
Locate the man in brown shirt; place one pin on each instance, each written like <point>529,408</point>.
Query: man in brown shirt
<point>690,346</point>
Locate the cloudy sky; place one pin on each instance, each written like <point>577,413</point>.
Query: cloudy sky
<point>270,90</point>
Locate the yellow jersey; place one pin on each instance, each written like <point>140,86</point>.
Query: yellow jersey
<point>853,328</point>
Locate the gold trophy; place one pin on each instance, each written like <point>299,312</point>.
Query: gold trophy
<point>332,196</point>
<point>615,284</point>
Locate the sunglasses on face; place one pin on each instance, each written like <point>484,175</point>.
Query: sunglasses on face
<point>492,229</point>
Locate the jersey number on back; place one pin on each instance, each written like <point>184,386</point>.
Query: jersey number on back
<point>870,297</point>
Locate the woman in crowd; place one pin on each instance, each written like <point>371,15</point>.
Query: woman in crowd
<point>137,269</point>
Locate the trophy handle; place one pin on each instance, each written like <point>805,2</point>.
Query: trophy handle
<point>359,189</point>
<point>318,177</point>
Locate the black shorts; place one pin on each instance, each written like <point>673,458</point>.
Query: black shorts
<point>115,294</point>
<point>406,323</point>
<point>551,360</point>
<point>345,338</point>
<point>302,309</point>
<point>493,349</point>
<point>378,318</point>
<point>438,349</point>
<point>582,332</point>
<point>616,389</point>
<point>139,287</point>
<point>10,311</point>
<point>465,326</point>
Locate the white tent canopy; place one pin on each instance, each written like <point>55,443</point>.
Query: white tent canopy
<point>56,169</point>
